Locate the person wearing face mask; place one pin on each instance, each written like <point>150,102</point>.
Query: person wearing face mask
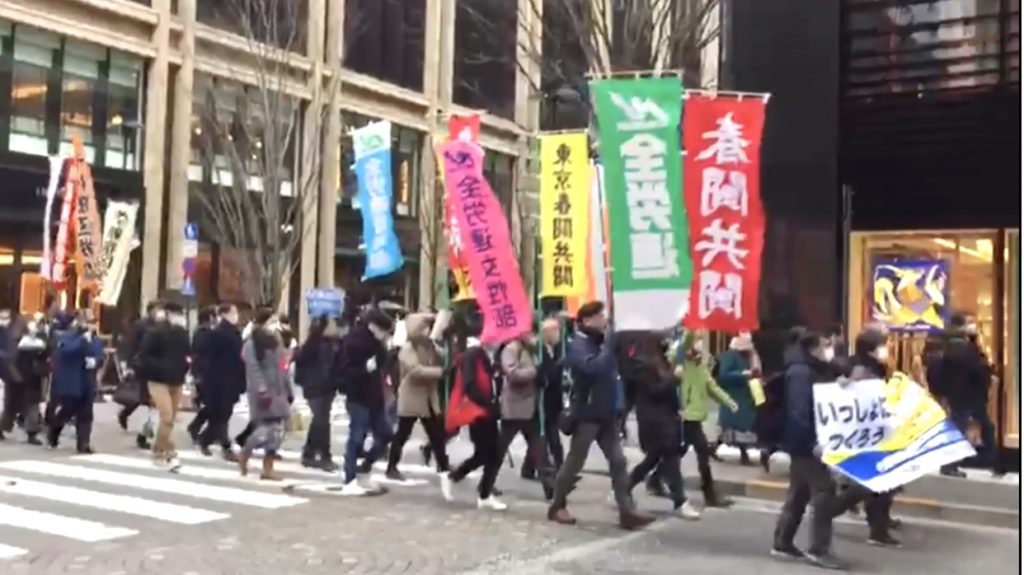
<point>223,380</point>
<point>519,405</point>
<point>269,393</point>
<point>870,361</point>
<point>810,480</point>
<point>163,364</point>
<point>735,368</point>
<point>596,404</point>
<point>200,357</point>
<point>363,355</point>
<point>77,357</point>
<point>22,395</point>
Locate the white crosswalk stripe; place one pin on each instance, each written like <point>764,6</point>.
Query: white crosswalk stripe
<point>70,527</point>
<point>98,497</point>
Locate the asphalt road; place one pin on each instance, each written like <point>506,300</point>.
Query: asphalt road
<point>114,514</point>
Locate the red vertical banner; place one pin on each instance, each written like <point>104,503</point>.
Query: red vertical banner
<point>465,128</point>
<point>722,188</point>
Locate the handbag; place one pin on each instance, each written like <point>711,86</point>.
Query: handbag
<point>128,392</point>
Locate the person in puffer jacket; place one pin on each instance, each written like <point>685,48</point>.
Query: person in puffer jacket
<point>23,395</point>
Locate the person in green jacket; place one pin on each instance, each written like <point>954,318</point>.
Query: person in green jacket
<point>735,369</point>
<point>695,388</point>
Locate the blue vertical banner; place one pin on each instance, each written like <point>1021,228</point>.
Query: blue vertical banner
<point>372,144</point>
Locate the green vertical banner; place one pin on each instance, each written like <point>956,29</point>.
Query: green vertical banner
<point>638,124</point>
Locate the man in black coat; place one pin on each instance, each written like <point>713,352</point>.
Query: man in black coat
<point>223,377</point>
<point>200,358</point>
<point>314,373</point>
<point>138,331</point>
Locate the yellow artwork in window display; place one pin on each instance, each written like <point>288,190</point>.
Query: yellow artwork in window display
<point>911,295</point>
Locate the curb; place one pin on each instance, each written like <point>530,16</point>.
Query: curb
<point>904,505</point>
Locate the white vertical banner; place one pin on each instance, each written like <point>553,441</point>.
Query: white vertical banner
<point>598,241</point>
<point>118,234</point>
<point>56,166</point>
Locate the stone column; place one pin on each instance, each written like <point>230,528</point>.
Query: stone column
<point>438,75</point>
<point>308,177</point>
<point>331,141</point>
<point>155,150</point>
<point>181,143</point>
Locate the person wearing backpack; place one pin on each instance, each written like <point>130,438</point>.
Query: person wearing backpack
<point>519,405</point>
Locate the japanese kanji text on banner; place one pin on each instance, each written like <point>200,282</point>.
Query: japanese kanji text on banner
<point>465,128</point>
<point>564,213</point>
<point>487,245</point>
<point>638,122</point>
<point>723,200</point>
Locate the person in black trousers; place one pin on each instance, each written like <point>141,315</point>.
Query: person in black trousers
<point>223,380</point>
<point>658,420</point>
<point>551,398</point>
<point>314,373</point>
<point>76,359</point>
<point>482,383</point>
<point>138,332</point>
<point>200,357</point>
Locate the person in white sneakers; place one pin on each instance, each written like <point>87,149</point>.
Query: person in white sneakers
<point>480,380</point>
<point>421,367</point>
<point>363,354</point>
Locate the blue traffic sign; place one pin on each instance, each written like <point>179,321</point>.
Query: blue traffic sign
<point>191,231</point>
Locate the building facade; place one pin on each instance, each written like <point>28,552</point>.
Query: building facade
<point>129,77</point>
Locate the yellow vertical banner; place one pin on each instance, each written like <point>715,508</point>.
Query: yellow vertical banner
<point>564,213</point>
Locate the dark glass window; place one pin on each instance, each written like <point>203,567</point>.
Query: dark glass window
<point>406,158</point>
<point>34,56</point>
<point>280,23</point>
<point>499,169</point>
<point>83,65</point>
<point>123,112</point>
<point>385,39</point>
<point>485,53</point>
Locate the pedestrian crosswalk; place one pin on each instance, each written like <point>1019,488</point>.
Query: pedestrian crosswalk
<point>103,497</point>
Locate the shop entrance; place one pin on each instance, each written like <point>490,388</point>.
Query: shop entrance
<point>914,282</point>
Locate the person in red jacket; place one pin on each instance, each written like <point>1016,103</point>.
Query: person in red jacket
<point>481,384</point>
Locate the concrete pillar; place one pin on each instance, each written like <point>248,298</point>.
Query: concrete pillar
<point>181,143</point>
<point>331,167</point>
<point>155,139</point>
<point>437,68</point>
<point>309,176</point>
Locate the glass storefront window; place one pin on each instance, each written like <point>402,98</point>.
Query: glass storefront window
<point>81,86</point>
<point>34,55</point>
<point>123,112</point>
<point>1011,371</point>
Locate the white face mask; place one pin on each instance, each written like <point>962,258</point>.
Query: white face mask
<point>160,315</point>
<point>177,319</point>
<point>829,353</point>
<point>231,318</point>
<point>882,354</point>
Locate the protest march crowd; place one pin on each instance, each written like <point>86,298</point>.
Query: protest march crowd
<point>578,378</point>
<point>640,294</point>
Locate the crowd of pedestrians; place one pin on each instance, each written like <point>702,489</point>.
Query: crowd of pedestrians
<point>576,378</point>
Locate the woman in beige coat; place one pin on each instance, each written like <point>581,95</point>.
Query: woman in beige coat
<point>421,368</point>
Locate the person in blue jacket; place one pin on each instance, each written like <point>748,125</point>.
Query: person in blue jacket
<point>76,360</point>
